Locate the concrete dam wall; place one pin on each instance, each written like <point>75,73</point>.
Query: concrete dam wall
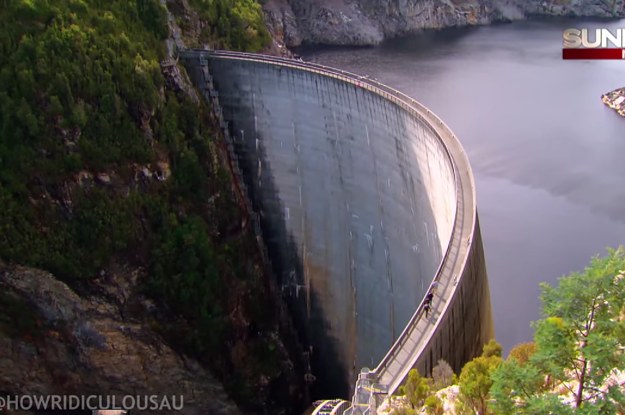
<point>359,198</point>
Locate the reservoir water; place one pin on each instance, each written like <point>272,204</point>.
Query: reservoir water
<point>548,157</point>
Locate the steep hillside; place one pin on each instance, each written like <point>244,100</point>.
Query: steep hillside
<point>127,263</point>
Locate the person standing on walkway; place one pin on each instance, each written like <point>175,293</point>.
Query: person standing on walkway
<point>426,308</point>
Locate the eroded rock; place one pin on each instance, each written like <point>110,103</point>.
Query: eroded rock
<point>83,346</point>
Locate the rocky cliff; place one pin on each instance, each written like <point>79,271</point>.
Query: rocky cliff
<point>368,22</point>
<point>55,341</point>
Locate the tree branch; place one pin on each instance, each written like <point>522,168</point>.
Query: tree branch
<point>591,317</point>
<point>596,390</point>
<point>567,387</point>
<point>579,328</point>
<point>573,363</point>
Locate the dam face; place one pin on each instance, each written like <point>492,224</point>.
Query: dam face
<point>357,200</point>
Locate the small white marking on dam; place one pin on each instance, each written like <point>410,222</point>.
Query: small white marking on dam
<point>369,240</point>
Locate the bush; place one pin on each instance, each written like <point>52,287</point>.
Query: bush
<point>434,406</point>
<point>153,16</point>
<point>492,348</point>
<point>475,379</point>
<point>522,352</point>
<point>442,375</point>
<point>236,24</point>
<point>184,273</point>
<point>416,388</point>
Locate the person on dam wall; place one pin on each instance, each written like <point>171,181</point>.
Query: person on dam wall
<point>427,303</point>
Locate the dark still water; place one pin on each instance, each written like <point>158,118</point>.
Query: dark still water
<point>547,155</point>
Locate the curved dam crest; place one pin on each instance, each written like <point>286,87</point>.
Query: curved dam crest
<point>358,198</point>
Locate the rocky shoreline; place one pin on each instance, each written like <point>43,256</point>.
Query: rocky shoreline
<point>369,22</point>
<point>615,100</point>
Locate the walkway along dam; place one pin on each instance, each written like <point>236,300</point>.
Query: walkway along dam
<point>366,202</point>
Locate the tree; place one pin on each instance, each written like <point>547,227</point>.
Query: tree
<point>475,379</point>
<point>55,108</point>
<point>492,348</point>
<point>522,352</point>
<point>442,375</point>
<point>416,389</point>
<point>577,338</point>
<point>514,382</point>
<point>578,347</point>
<point>514,386</point>
<point>153,16</point>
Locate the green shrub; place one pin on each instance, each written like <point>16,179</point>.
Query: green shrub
<point>236,24</point>
<point>416,388</point>
<point>434,406</point>
<point>185,273</point>
<point>522,352</point>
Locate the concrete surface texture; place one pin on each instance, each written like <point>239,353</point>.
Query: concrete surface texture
<point>358,198</point>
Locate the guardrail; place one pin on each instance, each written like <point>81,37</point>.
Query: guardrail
<point>381,379</point>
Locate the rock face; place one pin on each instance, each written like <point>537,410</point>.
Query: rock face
<point>282,24</point>
<point>83,345</point>
<point>575,8</point>
<point>368,22</point>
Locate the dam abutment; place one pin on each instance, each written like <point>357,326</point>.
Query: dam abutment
<point>364,199</point>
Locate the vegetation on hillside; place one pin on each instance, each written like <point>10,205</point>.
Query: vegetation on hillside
<point>101,164</point>
<point>230,24</point>
<point>575,365</point>
<point>476,381</point>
